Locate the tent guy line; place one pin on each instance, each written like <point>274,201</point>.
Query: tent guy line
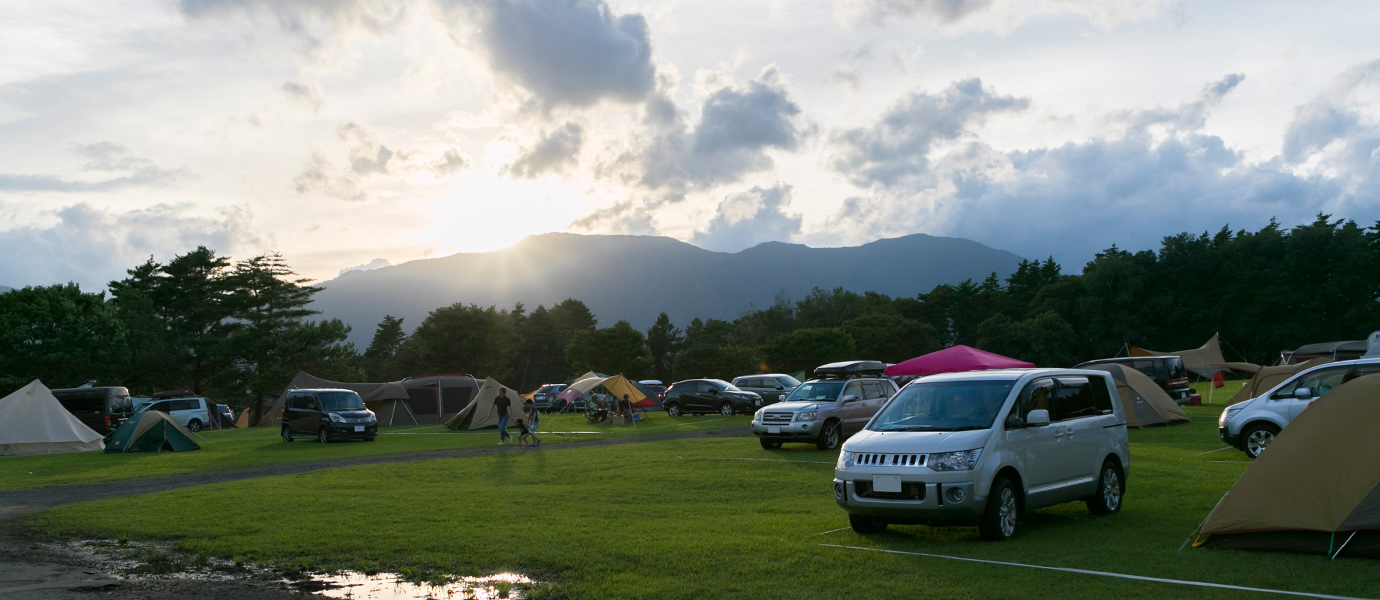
<point>1220,586</point>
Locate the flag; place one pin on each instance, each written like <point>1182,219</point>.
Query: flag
<point>1217,380</point>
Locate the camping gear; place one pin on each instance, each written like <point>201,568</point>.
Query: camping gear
<point>1195,400</point>
<point>1268,377</point>
<point>1145,403</point>
<point>32,421</point>
<point>1316,488</point>
<point>481,413</point>
<point>151,431</point>
<point>953,360</point>
<point>1206,360</point>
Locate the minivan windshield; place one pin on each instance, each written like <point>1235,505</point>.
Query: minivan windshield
<point>340,401</point>
<point>944,406</point>
<point>816,391</point>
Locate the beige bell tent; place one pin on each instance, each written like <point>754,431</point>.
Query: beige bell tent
<point>1206,360</point>
<point>1316,488</point>
<point>481,413</point>
<point>1145,403</point>
<point>1268,377</point>
<point>389,401</point>
<point>32,421</point>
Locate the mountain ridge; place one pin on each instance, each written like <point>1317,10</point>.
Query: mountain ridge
<point>633,278</point>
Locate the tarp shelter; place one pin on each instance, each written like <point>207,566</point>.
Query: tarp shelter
<point>32,421</point>
<point>617,386</point>
<point>1315,486</point>
<point>1268,377</point>
<point>1347,350</point>
<point>387,400</point>
<point>1145,403</point>
<point>953,360</point>
<point>1206,360</point>
<point>151,431</point>
<point>481,413</point>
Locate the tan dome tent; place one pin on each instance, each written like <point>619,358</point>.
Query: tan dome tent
<point>1268,377</point>
<point>32,421</point>
<point>1145,403</point>
<point>1316,489</point>
<point>481,413</point>
<point>151,431</point>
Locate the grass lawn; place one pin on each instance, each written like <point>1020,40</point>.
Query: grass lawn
<point>693,519</point>
<point>232,449</point>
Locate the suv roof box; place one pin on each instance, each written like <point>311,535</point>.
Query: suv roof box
<point>851,368</point>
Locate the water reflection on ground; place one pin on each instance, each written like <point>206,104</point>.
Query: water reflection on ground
<point>391,586</point>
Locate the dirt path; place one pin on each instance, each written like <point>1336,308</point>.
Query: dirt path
<point>33,567</point>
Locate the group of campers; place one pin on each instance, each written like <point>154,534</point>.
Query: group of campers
<point>527,423</point>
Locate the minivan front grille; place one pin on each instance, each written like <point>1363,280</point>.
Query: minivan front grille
<point>777,417</point>
<point>909,491</point>
<point>877,459</point>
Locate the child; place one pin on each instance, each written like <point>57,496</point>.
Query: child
<point>526,436</point>
<point>535,417</point>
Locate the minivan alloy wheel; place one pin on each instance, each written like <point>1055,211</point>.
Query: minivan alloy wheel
<point>287,434</point>
<point>322,436</point>
<point>726,409</point>
<point>1008,512</point>
<point>194,426</point>
<point>1257,440</point>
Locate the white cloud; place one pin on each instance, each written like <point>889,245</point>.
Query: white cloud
<point>747,219</point>
<point>554,152</point>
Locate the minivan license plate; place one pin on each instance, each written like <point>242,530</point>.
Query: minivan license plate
<point>773,429</point>
<point>886,483</point>
<point>359,428</point>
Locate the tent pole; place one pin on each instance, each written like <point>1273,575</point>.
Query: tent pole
<point>1339,550</point>
<point>1190,536</point>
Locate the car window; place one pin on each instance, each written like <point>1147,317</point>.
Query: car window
<point>874,389</point>
<point>787,380</point>
<point>944,406</point>
<point>341,401</point>
<point>1072,399</point>
<point>855,389</point>
<point>816,391</point>
<point>1101,396</point>
<point>1319,382</point>
<point>1035,396</point>
<point>1144,366</point>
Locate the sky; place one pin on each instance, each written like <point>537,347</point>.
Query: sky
<point>356,134</point>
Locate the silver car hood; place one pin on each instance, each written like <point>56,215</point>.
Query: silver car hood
<point>799,406</point>
<point>921,442</point>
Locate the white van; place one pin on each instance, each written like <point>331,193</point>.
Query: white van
<point>194,413</point>
<point>1251,425</point>
<point>986,446</point>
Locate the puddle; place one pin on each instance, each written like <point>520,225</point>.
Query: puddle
<point>391,586</point>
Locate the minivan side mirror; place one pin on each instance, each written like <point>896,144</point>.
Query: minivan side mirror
<point>1037,418</point>
<point>780,387</point>
<point>1014,421</point>
<point>1303,393</point>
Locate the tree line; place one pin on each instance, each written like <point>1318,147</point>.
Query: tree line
<point>239,330</point>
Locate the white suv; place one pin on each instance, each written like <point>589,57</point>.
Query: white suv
<point>194,413</point>
<point>985,446</point>
<point>1251,425</point>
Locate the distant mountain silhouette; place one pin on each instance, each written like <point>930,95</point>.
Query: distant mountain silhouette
<point>4,289</point>
<point>636,277</point>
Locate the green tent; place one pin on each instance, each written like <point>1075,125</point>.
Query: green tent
<point>151,431</point>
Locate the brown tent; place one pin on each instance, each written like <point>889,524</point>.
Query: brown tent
<point>1317,488</point>
<point>481,413</point>
<point>1145,403</point>
<point>1268,377</point>
<point>1206,360</point>
<point>438,398</point>
<point>382,398</point>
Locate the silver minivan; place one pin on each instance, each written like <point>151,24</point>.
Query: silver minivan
<point>1252,425</point>
<point>985,446</point>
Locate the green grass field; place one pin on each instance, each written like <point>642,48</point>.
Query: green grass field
<point>711,518</point>
<point>233,449</point>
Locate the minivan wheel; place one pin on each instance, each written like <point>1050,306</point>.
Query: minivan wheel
<point>829,437</point>
<point>998,521</point>
<point>769,445</point>
<point>726,409</point>
<point>865,525</point>
<point>287,434</point>
<point>1258,437</point>
<point>673,409</point>
<point>194,426</point>
<point>322,436</point>
<point>1110,490</point>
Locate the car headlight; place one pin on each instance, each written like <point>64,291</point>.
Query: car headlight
<point>336,418</point>
<point>954,461</point>
<point>757,416</point>
<point>1228,413</point>
<point>805,416</point>
<point>845,460</point>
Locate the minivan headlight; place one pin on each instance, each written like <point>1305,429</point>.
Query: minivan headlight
<point>805,416</point>
<point>336,418</point>
<point>845,460</point>
<point>954,461</point>
<point>1228,413</point>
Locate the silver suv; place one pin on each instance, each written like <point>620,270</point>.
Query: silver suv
<point>823,411</point>
<point>1251,425</point>
<point>986,446</point>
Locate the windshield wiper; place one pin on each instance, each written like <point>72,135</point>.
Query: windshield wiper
<point>910,428</point>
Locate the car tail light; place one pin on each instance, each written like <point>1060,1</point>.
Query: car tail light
<point>1178,382</point>
<point>107,421</point>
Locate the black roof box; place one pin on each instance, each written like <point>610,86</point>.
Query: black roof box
<point>851,368</point>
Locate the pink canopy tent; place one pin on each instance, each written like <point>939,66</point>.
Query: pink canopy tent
<point>953,360</point>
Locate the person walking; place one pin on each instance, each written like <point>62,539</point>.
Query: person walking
<point>501,404</point>
<point>534,418</point>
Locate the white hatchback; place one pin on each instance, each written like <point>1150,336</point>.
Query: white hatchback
<point>1252,425</point>
<point>986,446</point>
<point>193,413</point>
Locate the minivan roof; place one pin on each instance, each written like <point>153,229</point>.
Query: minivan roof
<point>1006,374</point>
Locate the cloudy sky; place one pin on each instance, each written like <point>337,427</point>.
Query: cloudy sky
<point>360,133</point>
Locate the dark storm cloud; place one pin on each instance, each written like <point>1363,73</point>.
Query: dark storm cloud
<point>737,126</point>
<point>92,246</point>
<point>896,149</point>
<point>747,219</point>
<point>105,159</point>
<point>555,152</point>
<point>566,52</point>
